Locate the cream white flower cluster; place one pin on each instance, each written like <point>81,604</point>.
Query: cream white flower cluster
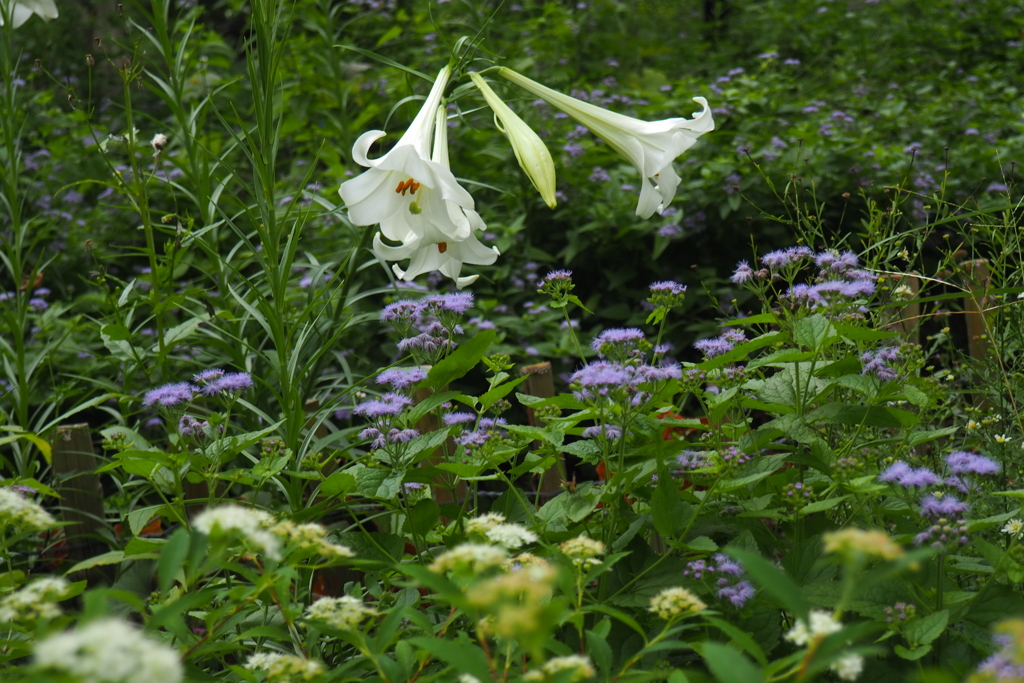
<point>583,551</point>
<point>35,601</point>
<point>822,624</point>
<point>672,603</point>
<point>21,513</point>
<point>579,665</point>
<point>249,524</point>
<point>469,559</point>
<point>342,613</point>
<point>493,527</point>
<point>109,651</point>
<point>411,193</point>
<point>283,668</point>
<point>311,537</point>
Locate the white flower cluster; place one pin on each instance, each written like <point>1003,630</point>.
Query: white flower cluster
<point>18,511</point>
<point>252,525</point>
<point>822,624</point>
<point>511,535</point>
<point>579,665</point>
<point>417,201</point>
<point>311,537</point>
<point>583,551</point>
<point>37,600</point>
<point>469,558</point>
<point>484,523</point>
<point>342,613</point>
<point>109,651</point>
<point>282,668</point>
<point>675,602</point>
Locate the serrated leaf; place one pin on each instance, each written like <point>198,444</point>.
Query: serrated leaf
<point>925,630</point>
<point>813,331</point>
<point>911,655</point>
<point>338,484</point>
<point>462,360</point>
<point>500,392</point>
<point>821,505</point>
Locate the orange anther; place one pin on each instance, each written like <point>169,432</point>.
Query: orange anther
<point>442,247</point>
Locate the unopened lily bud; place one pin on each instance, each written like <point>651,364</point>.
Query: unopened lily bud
<point>532,154</point>
<point>89,61</point>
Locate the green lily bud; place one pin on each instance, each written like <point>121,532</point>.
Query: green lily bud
<point>532,154</point>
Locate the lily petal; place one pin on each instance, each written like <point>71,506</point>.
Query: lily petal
<point>651,146</point>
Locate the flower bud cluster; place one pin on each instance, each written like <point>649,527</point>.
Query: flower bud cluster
<point>583,551</point>
<point>673,603</point>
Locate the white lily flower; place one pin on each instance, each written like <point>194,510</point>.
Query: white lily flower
<point>24,9</point>
<point>431,248</point>
<point>532,154</point>
<point>651,146</point>
<point>404,190</point>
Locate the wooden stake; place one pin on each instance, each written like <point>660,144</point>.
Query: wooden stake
<point>74,467</point>
<point>978,279</point>
<point>540,382</point>
<point>907,320</point>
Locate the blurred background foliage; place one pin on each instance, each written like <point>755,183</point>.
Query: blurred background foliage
<point>824,112</point>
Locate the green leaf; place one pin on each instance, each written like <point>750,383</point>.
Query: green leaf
<point>338,484</point>
<point>422,518</point>
<point>924,631</point>
<point>820,505</point>
<point>464,359</point>
<point>740,637</point>
<point>773,581</point>
<point>702,544</point>
<point>464,657</point>
<point>181,332</point>
<point>670,514</point>
<point>112,557</point>
<point>172,558</point>
<point>138,519</point>
<point>911,655</point>
<point>870,416</point>
<point>813,331</point>
<point>140,546</point>
<point>728,664</point>
<point>500,392</point>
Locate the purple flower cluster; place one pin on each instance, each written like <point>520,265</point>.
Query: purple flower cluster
<point>394,436</point>
<point>718,346</point>
<point>744,273</point>
<point>933,506</point>
<point>908,477</point>
<point>170,395</point>
<point>190,426</point>
<point>230,383</point>
<point>400,378</point>
<point>725,574</point>
<point>604,380</point>
<point>877,362</point>
<point>962,462</point>
<point>457,418</point>
<point>610,432</point>
<point>388,405</point>
<point>785,257</point>
<point>489,428</point>
<point>693,460</point>
<point>620,345</point>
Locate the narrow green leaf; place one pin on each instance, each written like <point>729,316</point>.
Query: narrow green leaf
<point>773,581</point>
<point>728,664</point>
<point>461,361</point>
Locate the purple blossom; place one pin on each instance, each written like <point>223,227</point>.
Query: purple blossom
<point>618,342</point>
<point>778,258</point>
<point>946,506</point>
<point>375,436</point>
<point>231,383</point>
<point>402,435</point>
<point>744,273</point>
<point>458,418</point>
<point>963,462</point>
<point>692,460</point>
<point>556,278</point>
<point>727,565</point>
<point>169,395</point>
<point>668,287</point>
<point>738,594</point>
<point>906,476</point>
<point>877,363</point>
<point>38,305</point>
<point>405,309</point>
<point>599,175</point>
<point>734,336</point>
<point>610,432</point>
<point>208,375</point>
<point>389,404</point>
<point>400,378</point>
<point>458,302</point>
<point>713,347</point>
<point>598,379</point>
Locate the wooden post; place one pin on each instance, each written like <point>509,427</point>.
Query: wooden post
<point>540,382</point>
<point>978,278</point>
<point>906,320</point>
<point>74,468</point>
<point>442,489</point>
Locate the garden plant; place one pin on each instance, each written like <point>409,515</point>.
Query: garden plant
<point>471,341</point>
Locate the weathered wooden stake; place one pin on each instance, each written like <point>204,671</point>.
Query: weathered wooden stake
<point>74,468</point>
<point>978,278</point>
<point>906,320</point>
<point>540,382</point>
